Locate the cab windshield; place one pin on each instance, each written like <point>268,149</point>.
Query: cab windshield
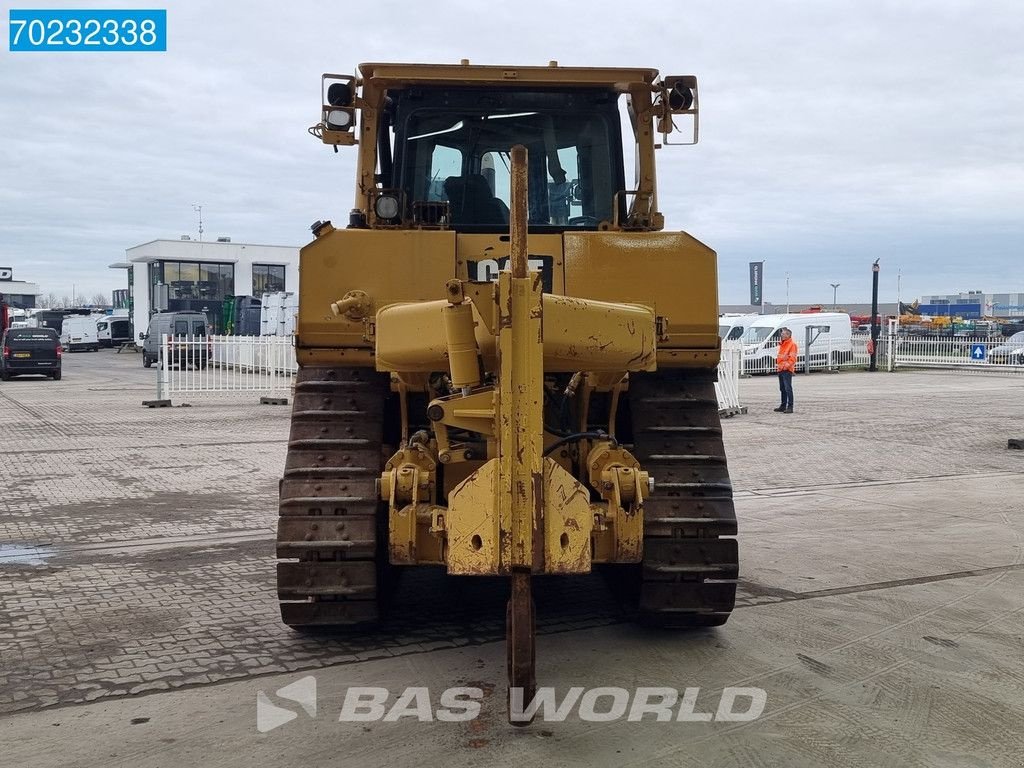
<point>757,334</point>
<point>453,146</point>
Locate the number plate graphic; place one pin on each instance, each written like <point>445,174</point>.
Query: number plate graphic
<point>87,30</point>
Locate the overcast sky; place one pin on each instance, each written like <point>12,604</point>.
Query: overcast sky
<point>831,133</point>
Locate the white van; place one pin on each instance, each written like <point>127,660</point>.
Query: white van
<point>78,333</point>
<point>186,329</point>
<point>113,330</point>
<point>732,327</point>
<point>830,334</point>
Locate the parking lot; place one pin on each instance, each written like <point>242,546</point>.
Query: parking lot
<point>881,600</point>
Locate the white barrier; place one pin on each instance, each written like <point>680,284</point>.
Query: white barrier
<point>727,388</point>
<point>266,366</point>
<point>827,354</point>
<point>974,355</point>
<point>225,365</point>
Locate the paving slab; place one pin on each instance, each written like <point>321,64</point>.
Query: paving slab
<point>925,674</point>
<point>879,606</point>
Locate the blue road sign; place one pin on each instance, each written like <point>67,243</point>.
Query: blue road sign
<point>978,352</point>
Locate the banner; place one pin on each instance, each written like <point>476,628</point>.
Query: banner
<point>756,275</point>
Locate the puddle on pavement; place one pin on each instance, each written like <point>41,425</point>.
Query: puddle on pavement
<point>18,554</point>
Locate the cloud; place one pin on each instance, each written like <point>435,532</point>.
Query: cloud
<point>832,134</point>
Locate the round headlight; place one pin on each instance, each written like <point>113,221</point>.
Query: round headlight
<point>339,120</point>
<point>386,207</point>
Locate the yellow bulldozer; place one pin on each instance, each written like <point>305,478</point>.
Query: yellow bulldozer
<point>506,363</point>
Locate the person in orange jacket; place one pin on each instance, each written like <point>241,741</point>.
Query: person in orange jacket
<point>785,364</point>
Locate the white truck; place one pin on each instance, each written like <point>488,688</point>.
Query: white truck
<point>78,333</point>
<point>113,330</point>
<point>830,335</point>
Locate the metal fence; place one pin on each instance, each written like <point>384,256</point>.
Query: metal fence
<point>266,366</point>
<point>828,354</point>
<point>727,388</point>
<point>974,355</point>
<point>895,351</point>
<point>225,365</point>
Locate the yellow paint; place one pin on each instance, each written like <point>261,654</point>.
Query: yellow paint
<point>671,272</point>
<point>474,538</point>
<point>388,266</point>
<point>567,522</point>
<point>520,415</point>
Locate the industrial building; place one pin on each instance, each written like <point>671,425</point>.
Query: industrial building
<point>17,293</point>
<point>885,309</point>
<point>973,304</point>
<point>199,275</point>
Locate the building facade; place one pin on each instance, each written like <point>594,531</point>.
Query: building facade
<point>196,275</point>
<point>973,304</point>
<point>17,293</point>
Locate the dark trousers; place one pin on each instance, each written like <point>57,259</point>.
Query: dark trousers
<point>786,388</point>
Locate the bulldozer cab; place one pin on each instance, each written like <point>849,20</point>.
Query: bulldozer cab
<point>454,147</point>
<point>436,141</point>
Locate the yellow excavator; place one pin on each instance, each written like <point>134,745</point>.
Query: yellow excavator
<point>506,363</point>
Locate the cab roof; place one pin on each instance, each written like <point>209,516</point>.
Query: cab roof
<point>619,79</point>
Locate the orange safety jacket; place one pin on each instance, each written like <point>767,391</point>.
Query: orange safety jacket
<point>786,359</point>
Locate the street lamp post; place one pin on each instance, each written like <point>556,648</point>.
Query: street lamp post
<point>835,288</point>
<point>874,316</point>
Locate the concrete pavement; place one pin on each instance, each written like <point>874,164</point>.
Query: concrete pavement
<point>880,601</point>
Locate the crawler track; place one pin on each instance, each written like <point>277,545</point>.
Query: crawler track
<point>688,577</point>
<point>329,540</point>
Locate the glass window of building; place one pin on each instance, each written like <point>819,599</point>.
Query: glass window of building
<point>193,286</point>
<point>267,278</point>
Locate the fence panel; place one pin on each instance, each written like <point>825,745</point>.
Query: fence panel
<point>727,388</point>
<point>960,353</point>
<point>266,365</point>
<point>226,365</point>
<point>828,354</point>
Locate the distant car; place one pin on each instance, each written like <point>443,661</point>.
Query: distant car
<point>29,351</point>
<point>1011,352</point>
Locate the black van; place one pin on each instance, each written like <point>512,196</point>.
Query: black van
<point>28,351</point>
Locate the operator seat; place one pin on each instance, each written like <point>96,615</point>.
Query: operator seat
<point>470,201</point>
